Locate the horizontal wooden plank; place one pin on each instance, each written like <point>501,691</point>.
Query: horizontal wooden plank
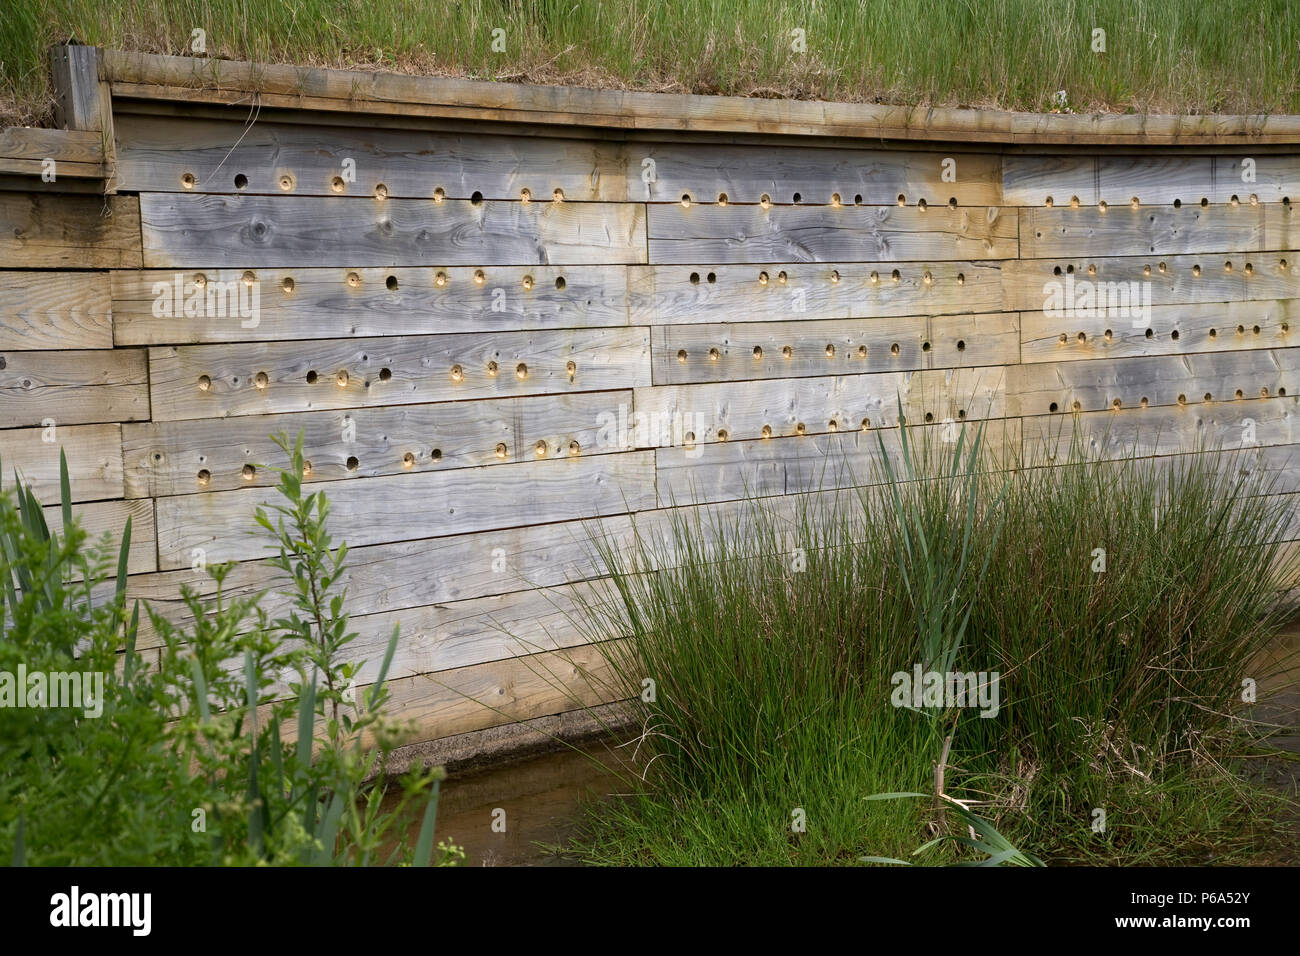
<point>178,154</point>
<point>1162,430</point>
<point>726,471</point>
<point>184,231</point>
<point>51,231</point>
<point>692,354</point>
<point>665,172</point>
<point>463,633</point>
<point>809,406</point>
<point>1282,227</point>
<point>73,387</point>
<point>677,295</point>
<point>108,518</point>
<point>488,695</point>
<point>1122,230</point>
<point>338,374</point>
<point>174,458</point>
<point>1157,380</point>
<point>94,454</point>
<point>1030,284</point>
<point>62,153</point>
<point>352,303</point>
<point>152,76</point>
<point>1168,330</point>
<point>55,310</point>
<point>406,507</point>
<point>701,233</point>
<point>1031,180</point>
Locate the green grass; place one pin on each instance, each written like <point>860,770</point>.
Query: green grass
<point>1120,689</point>
<point>1169,56</point>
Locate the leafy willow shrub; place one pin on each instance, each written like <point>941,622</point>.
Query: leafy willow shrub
<point>242,743</point>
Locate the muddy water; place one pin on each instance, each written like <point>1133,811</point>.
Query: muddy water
<point>505,815</point>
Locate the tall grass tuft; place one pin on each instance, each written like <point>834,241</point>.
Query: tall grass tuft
<point>1121,605</point>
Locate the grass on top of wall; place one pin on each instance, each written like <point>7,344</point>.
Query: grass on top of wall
<point>1180,56</point>
<point>772,638</point>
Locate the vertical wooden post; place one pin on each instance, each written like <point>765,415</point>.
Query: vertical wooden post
<point>83,101</point>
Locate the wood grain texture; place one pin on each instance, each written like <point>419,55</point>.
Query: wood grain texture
<point>745,174</point>
<point>692,354</point>
<point>740,233</point>
<point>76,154</point>
<point>104,522</point>
<point>55,310</point>
<point>351,374</point>
<point>1164,430</point>
<point>166,458</point>
<point>153,76</point>
<point>712,293</point>
<point>726,471</point>
<point>50,231</point>
<point>94,454</point>
<point>406,507</point>
<point>73,387</point>
<point>1172,280</point>
<point>154,155</point>
<point>186,231</point>
<point>1030,180</point>
<point>1121,230</point>
<point>1169,330</point>
<point>352,303</point>
<point>743,409</point>
<point>1160,380</point>
<point>488,695</point>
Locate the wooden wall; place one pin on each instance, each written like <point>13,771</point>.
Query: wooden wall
<point>459,317</point>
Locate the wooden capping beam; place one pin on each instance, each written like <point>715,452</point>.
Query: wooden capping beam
<point>192,80</point>
<point>83,102</point>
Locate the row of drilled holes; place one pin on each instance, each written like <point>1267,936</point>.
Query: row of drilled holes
<point>1248,269</point>
<point>342,378</point>
<point>927,278</point>
<point>1135,203</point>
<point>787,351</point>
<point>288,182</point>
<point>354,281</point>
<point>540,449</point>
<point>1108,335</point>
<point>1117,404</point>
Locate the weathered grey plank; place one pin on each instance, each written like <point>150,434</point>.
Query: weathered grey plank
<point>350,303</point>
<point>100,518</point>
<point>176,458</point>
<point>176,154</point>
<point>690,354</point>
<point>1174,329</point>
<point>665,172</point>
<point>336,374</point>
<point>501,692</point>
<point>184,231</point>
<point>744,233</point>
<point>808,406</point>
<point>1029,284</point>
<point>1164,430</point>
<point>405,507</point>
<point>1159,380</point>
<point>51,231</point>
<point>94,454</point>
<point>1122,230</point>
<point>55,310</point>
<point>680,295</point>
<point>76,154</point>
<point>733,470</point>
<point>73,387</point>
